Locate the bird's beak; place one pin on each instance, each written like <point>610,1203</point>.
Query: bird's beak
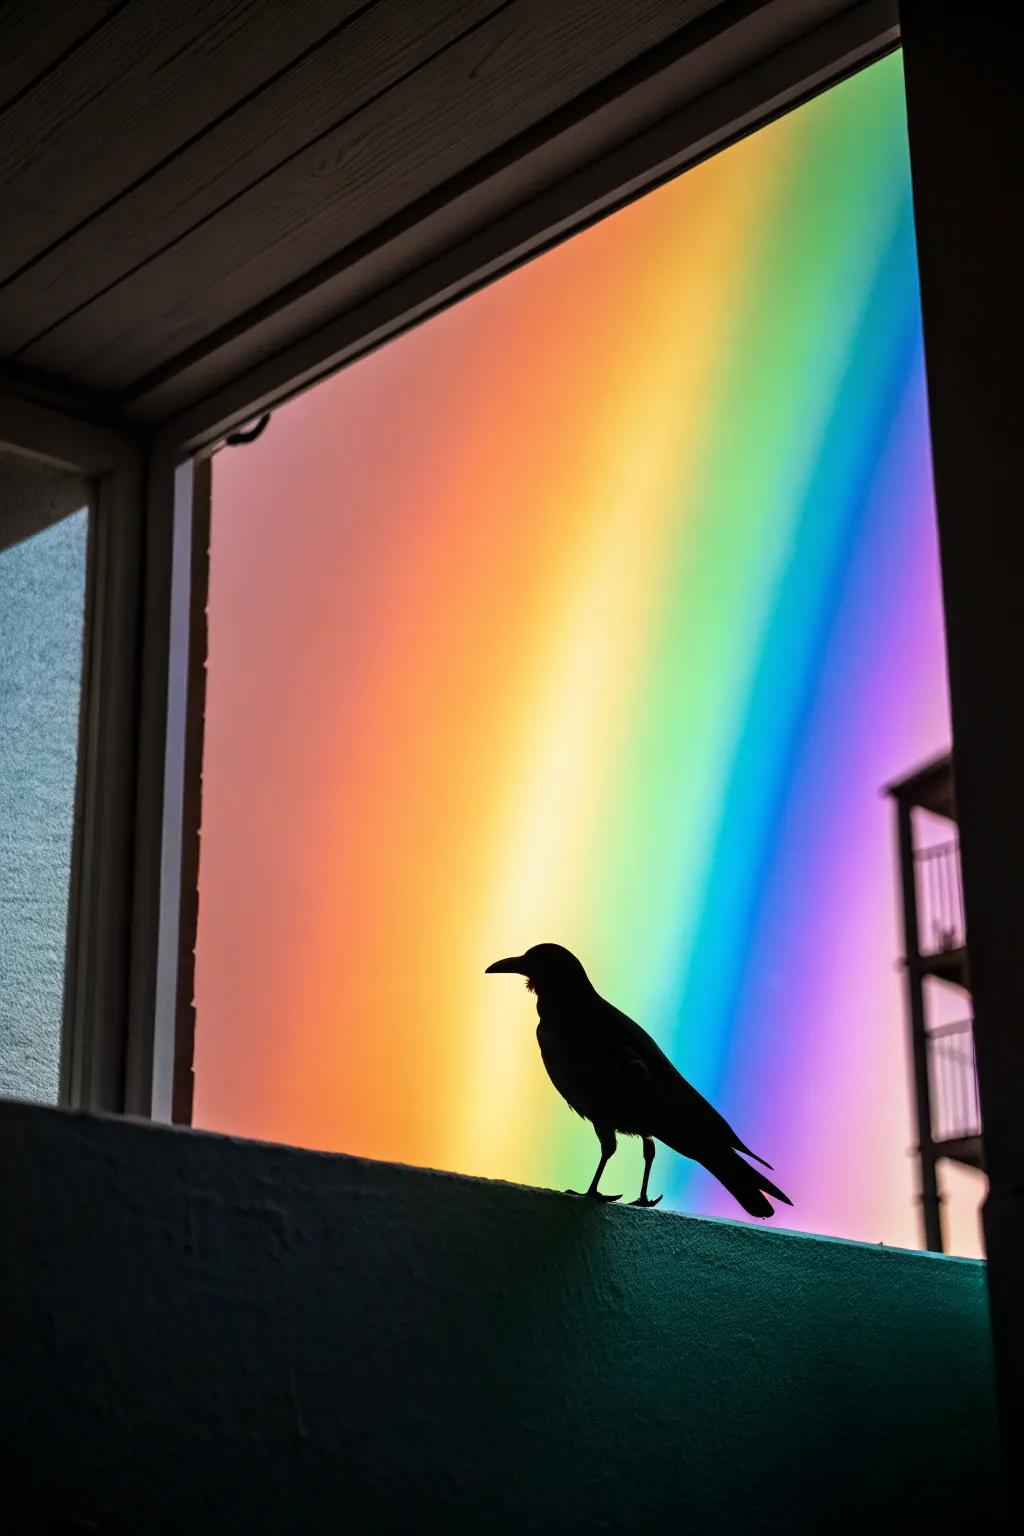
<point>511,967</point>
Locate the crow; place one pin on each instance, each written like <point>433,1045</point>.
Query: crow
<point>611,1072</point>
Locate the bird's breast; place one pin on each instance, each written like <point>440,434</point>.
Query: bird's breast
<point>584,1079</point>
<point>561,1058</point>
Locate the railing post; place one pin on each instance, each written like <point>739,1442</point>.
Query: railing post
<point>931,1204</point>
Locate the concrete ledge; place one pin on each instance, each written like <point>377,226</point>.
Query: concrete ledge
<point>209,1335</point>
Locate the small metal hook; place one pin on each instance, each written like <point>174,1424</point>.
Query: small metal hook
<point>247,435</point>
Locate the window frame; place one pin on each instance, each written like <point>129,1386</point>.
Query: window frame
<point>128,1015</point>
<point>622,170</point>
<point>138,1060</point>
<point>97,1026</point>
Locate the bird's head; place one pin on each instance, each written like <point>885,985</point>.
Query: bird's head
<point>547,968</point>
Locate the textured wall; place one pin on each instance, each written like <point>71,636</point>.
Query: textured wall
<point>42,598</point>
<point>210,1335</point>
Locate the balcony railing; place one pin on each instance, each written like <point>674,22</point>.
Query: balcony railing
<point>956,1112</point>
<point>940,898</point>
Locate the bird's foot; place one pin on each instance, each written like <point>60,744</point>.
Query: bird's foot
<point>593,1194</point>
<point>643,1201</point>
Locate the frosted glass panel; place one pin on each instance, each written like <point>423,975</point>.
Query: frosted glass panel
<point>43,526</point>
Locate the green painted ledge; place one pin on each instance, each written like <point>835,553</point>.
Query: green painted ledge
<point>212,1335</point>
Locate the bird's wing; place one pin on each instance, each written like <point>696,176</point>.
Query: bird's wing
<point>630,1047</point>
<point>672,1100</point>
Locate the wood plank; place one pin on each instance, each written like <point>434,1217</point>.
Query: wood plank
<point>350,67</point>
<point>155,75</point>
<point>724,77</point>
<point>505,76</point>
<point>35,37</point>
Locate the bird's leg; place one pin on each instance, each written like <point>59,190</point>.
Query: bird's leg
<point>608,1145</point>
<point>649,1150</point>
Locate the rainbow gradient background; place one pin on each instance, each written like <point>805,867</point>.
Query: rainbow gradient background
<point>598,609</point>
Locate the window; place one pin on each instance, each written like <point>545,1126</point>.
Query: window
<point>600,609</point>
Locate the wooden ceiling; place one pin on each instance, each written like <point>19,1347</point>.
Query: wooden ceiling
<point>179,177</point>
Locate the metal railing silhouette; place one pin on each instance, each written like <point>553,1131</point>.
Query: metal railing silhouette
<point>940,898</point>
<point>956,1111</point>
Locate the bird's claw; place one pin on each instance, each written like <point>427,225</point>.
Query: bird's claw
<point>645,1203</point>
<point>593,1194</point>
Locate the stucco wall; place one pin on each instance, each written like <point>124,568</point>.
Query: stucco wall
<point>42,602</point>
<point>206,1335</point>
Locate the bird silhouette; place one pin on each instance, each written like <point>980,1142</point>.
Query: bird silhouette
<point>612,1073</point>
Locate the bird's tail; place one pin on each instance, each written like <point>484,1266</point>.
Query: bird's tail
<point>747,1185</point>
<point>756,1156</point>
